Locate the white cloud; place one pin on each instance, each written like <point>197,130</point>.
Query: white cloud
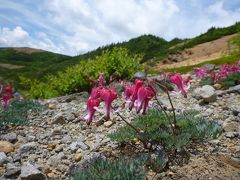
<point>15,37</point>
<point>77,26</point>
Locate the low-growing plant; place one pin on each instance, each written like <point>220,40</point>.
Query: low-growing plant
<point>231,80</point>
<point>17,113</point>
<point>122,168</point>
<point>227,75</point>
<point>155,129</point>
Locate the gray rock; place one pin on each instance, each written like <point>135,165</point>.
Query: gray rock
<point>30,172</point>
<point>16,158</point>
<point>70,116</point>
<point>231,135</point>
<point>140,75</point>
<point>207,93</point>
<point>234,89</point>
<point>66,139</point>
<point>61,155</point>
<point>10,137</point>
<point>3,158</point>
<point>58,119</point>
<point>78,144</point>
<point>12,171</point>
<point>25,148</point>
<point>235,110</point>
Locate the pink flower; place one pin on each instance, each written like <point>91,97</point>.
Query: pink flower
<point>92,104</point>
<point>95,93</point>
<point>108,96</point>
<point>201,72</point>
<point>144,95</point>
<point>6,100</point>
<point>137,85</point>
<point>177,80</point>
<point>129,91</point>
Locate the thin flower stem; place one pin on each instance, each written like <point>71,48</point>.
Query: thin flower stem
<point>167,117</point>
<point>127,122</point>
<point>135,129</point>
<point>169,98</point>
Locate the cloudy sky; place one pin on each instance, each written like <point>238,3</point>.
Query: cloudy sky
<point>76,26</point>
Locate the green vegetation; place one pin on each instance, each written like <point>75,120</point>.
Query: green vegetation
<point>231,80</point>
<point>119,169</point>
<point>116,63</point>
<point>155,129</point>
<point>35,65</point>
<point>39,65</point>
<point>17,113</point>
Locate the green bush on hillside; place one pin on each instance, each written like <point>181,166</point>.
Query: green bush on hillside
<point>117,63</point>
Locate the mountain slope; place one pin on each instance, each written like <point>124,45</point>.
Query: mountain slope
<point>37,64</point>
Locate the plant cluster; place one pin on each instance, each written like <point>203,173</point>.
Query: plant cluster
<point>123,168</point>
<point>227,74</point>
<point>116,63</point>
<point>157,127</point>
<point>17,113</point>
<point>6,94</point>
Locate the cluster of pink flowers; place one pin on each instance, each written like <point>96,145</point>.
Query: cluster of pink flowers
<point>219,74</point>
<point>139,95</point>
<point>5,95</point>
<point>202,72</point>
<point>136,95</point>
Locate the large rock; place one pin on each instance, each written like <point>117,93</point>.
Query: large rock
<point>25,148</point>
<point>140,75</point>
<point>234,89</point>
<point>207,93</point>
<point>58,119</point>
<point>10,137</point>
<point>6,147</point>
<point>3,158</point>
<point>78,144</point>
<point>30,172</point>
<point>12,171</point>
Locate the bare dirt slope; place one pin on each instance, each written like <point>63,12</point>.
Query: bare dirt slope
<point>27,50</point>
<point>198,54</point>
<point>10,66</point>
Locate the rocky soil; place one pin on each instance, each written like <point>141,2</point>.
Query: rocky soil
<point>57,142</point>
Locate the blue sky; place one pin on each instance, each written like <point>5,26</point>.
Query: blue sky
<point>76,26</point>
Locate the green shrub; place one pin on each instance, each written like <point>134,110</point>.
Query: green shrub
<point>17,113</point>
<point>155,129</point>
<point>231,80</point>
<point>102,169</point>
<point>207,81</point>
<point>115,63</point>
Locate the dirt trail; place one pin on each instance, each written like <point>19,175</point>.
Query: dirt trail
<point>200,53</point>
<point>27,50</point>
<point>11,66</point>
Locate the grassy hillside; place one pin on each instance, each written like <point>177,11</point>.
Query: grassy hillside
<point>38,65</point>
<point>33,65</point>
<point>155,49</point>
